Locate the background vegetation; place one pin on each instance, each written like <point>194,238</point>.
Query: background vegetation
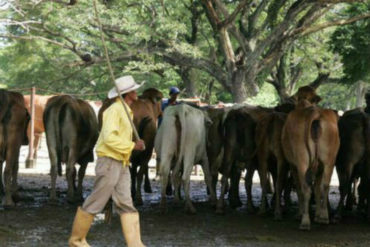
<point>259,51</point>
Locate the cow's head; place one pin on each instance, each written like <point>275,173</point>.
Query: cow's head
<point>155,96</point>
<point>307,93</point>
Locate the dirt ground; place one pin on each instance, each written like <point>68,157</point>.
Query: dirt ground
<point>33,222</point>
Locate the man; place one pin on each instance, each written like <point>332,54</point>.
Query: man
<point>113,148</point>
<point>174,93</point>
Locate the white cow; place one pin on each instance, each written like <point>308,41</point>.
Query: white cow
<point>180,143</point>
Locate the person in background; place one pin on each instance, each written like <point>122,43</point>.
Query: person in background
<point>114,148</point>
<point>174,93</point>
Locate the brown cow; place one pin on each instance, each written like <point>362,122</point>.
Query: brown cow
<point>71,129</point>
<point>40,103</point>
<point>268,142</point>
<point>146,111</point>
<point>13,126</point>
<point>310,142</point>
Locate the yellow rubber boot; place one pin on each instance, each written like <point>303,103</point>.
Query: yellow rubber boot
<point>131,229</point>
<point>81,226</point>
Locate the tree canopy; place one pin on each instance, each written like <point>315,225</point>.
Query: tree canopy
<point>219,50</point>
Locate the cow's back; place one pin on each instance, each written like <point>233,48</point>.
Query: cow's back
<point>70,124</point>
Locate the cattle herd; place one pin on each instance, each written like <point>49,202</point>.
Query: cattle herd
<point>297,143</point>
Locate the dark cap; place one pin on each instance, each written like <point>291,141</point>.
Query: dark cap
<point>174,90</point>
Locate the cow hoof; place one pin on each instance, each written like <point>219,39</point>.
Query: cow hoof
<point>305,227</point>
<point>320,220</point>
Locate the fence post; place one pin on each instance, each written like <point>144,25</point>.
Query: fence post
<point>30,160</point>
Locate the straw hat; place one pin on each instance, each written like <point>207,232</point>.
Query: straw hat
<point>125,84</point>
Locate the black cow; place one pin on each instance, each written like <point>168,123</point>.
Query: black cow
<point>350,162</point>
<point>14,119</point>
<point>71,129</point>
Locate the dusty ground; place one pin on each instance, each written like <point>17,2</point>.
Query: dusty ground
<point>36,223</point>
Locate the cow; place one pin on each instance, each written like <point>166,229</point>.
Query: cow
<point>39,103</point>
<point>270,157</point>
<point>350,163</point>
<point>13,133</point>
<point>215,141</point>
<point>310,141</point>
<point>239,147</point>
<point>71,129</point>
<point>180,143</point>
<point>146,111</point>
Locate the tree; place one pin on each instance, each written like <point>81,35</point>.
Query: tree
<point>352,42</point>
<point>234,43</point>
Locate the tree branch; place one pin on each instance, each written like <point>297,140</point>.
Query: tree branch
<point>303,31</point>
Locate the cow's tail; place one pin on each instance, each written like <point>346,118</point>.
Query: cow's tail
<point>182,118</point>
<point>313,132</point>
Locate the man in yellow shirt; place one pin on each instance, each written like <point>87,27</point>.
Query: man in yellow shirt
<point>114,148</point>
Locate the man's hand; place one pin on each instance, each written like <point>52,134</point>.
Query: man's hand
<point>139,145</point>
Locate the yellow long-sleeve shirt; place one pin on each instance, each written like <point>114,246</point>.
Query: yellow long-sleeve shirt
<point>115,139</point>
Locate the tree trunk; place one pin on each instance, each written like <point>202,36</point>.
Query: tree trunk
<point>360,94</point>
<point>238,88</point>
<point>187,76</point>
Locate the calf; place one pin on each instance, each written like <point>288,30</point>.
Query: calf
<point>310,142</point>
<point>180,143</point>
<point>14,119</point>
<point>71,129</point>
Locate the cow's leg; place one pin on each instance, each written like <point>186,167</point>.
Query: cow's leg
<point>176,181</point>
<point>281,175</point>
<point>81,175</point>
<point>352,196</point>
<point>36,145</point>
<point>262,172</point>
<point>164,175</point>
<point>70,171</point>
<point>140,174</point>
<point>188,167</point>
<point>248,187</point>
<point>288,185</point>
<point>234,198</point>
<point>53,173</point>
<point>294,173</point>
<point>1,178</point>
<point>208,180</point>
<point>324,212</point>
<point>9,180</point>
<point>133,172</point>
<point>147,185</point>
<point>306,193</point>
<point>15,169</point>
<point>344,188</point>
